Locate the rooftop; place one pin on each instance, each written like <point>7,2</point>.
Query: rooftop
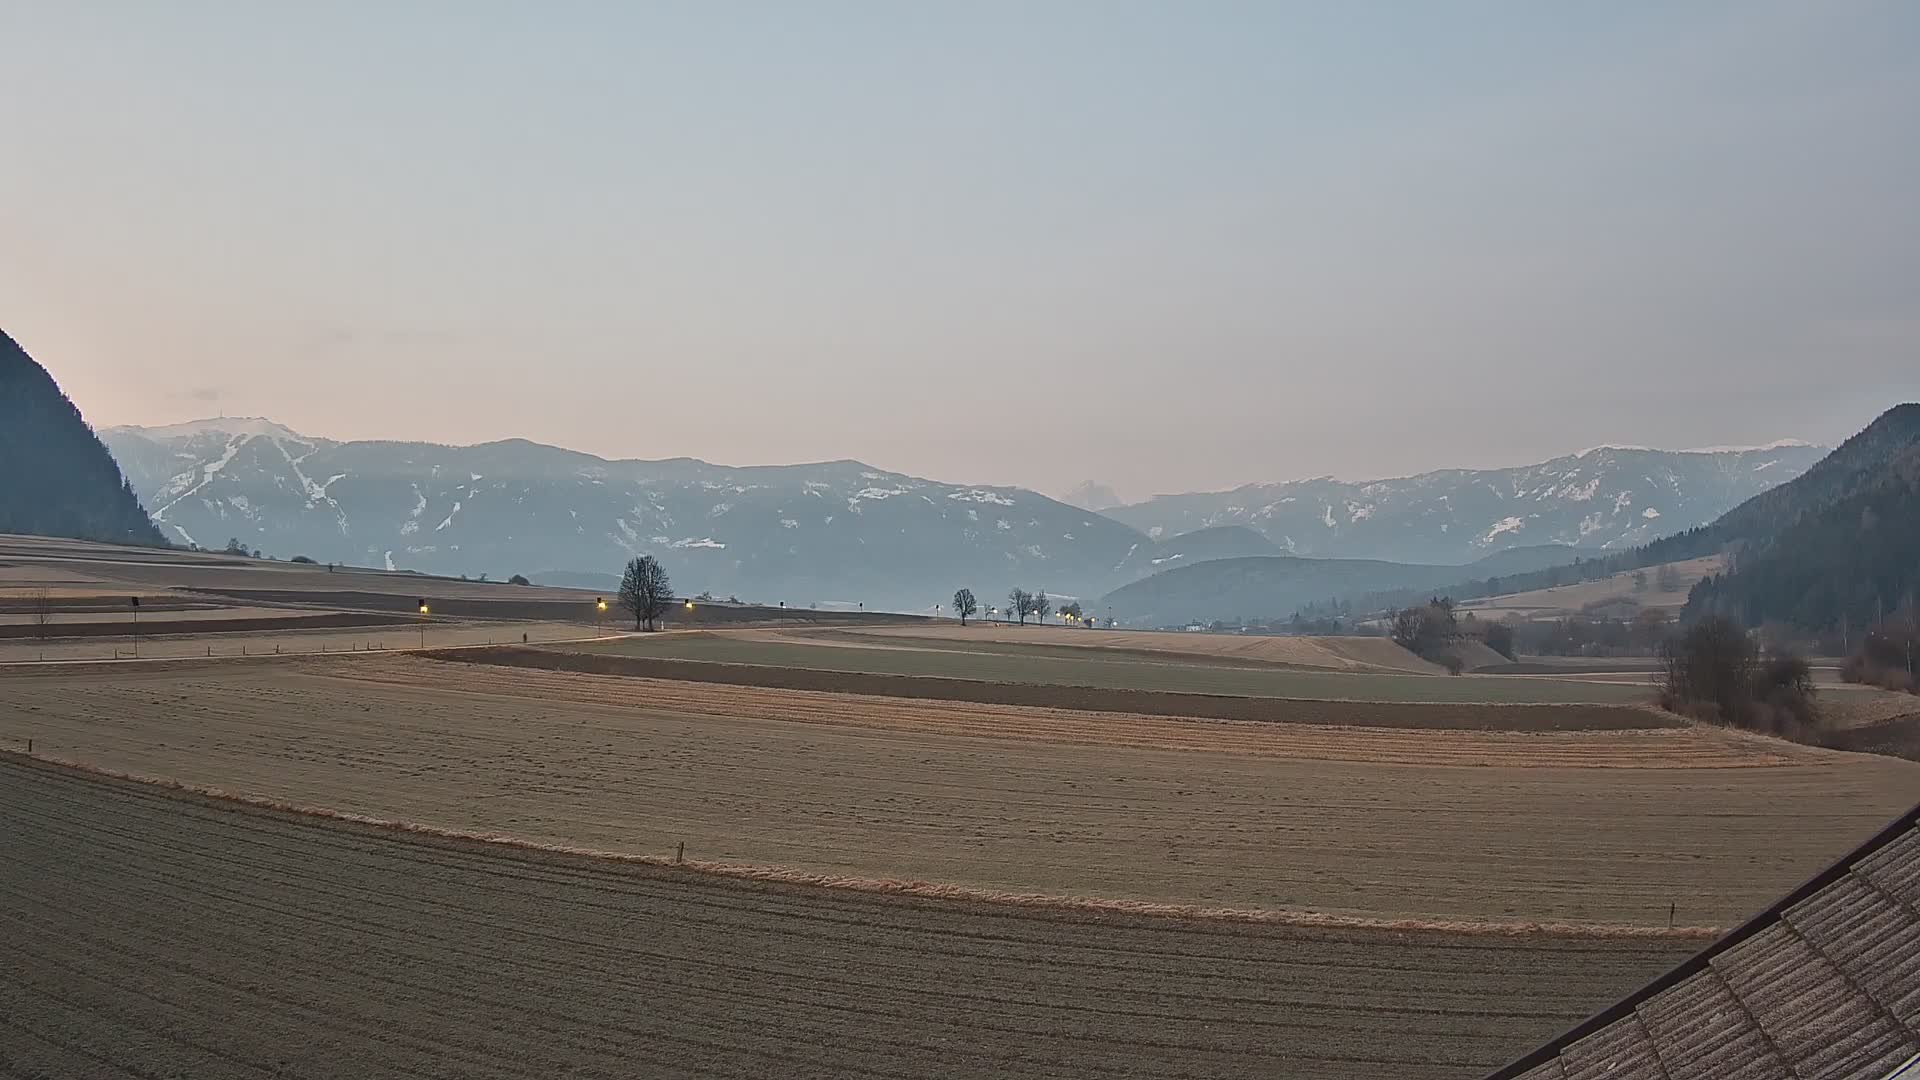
<point>1826,983</point>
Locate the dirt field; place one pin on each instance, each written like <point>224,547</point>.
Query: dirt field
<point>1101,668</point>
<point>1376,823</point>
<point>157,934</point>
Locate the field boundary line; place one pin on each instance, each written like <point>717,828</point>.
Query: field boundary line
<point>906,888</point>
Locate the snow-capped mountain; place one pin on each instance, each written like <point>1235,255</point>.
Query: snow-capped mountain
<point>1608,497</point>
<point>833,531</point>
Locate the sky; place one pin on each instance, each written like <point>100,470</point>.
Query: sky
<point>1170,246</point>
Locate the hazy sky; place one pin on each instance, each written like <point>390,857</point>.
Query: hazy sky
<point>1168,246</point>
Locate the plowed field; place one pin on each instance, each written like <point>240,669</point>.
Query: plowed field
<point>1368,822</point>
<point>149,933</point>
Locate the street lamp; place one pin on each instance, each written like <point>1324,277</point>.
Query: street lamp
<point>423,622</point>
<point>600,616</point>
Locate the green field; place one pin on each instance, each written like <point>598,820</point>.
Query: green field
<point>1046,666</point>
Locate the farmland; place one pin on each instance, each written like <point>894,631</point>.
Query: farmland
<point>158,932</point>
<point>909,848</point>
<point>1039,661</point>
<point>1572,599</point>
<point>1380,823</point>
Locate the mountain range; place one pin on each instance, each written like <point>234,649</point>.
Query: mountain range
<point>1609,497</point>
<point>846,532</point>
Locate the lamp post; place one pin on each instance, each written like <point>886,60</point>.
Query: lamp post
<point>600,615</point>
<point>424,612</point>
<point>135,601</point>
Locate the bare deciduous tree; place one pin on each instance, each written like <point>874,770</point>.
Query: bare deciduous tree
<point>1020,604</point>
<point>964,605</point>
<point>645,591</point>
<point>1041,606</point>
<point>42,614</point>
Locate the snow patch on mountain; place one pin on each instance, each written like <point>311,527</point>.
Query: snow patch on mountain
<point>1777,444</point>
<point>1504,525</point>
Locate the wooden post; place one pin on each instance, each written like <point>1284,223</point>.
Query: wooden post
<point>1671,908</point>
<point>29,747</point>
<point>681,855</point>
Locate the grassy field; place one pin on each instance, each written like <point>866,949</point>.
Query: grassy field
<point>1329,653</point>
<point>1571,599</point>
<point>158,934</point>
<point>1043,664</point>
<point>1372,823</point>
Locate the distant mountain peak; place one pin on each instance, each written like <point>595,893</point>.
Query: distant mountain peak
<point>213,425</point>
<point>1091,495</point>
<point>1777,444</point>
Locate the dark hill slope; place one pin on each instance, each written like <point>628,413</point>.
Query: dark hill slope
<point>1848,551</point>
<point>56,478</point>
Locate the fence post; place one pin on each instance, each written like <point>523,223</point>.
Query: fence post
<point>681,854</point>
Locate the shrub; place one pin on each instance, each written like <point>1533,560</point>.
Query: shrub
<point>1714,673</point>
<point>1500,639</point>
<point>518,579</point>
<point>303,559</point>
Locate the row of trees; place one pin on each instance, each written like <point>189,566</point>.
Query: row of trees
<point>1021,605</point>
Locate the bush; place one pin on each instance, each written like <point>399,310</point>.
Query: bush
<point>303,559</point>
<point>518,579</point>
<point>1500,639</point>
<point>1714,673</point>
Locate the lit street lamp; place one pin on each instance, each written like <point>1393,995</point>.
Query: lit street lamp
<point>423,622</point>
<point>600,615</point>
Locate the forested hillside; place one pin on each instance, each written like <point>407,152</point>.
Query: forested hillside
<point>56,479</point>
<point>1837,542</point>
<point>1848,555</point>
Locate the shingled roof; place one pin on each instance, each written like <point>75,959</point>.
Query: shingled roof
<point>1825,983</point>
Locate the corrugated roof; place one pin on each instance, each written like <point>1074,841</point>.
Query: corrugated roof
<point>1823,984</point>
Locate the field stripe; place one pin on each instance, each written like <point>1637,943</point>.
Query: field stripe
<point>312,947</point>
<point>939,890</point>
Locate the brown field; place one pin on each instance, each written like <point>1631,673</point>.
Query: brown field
<point>282,637</point>
<point>1365,822</point>
<point>158,934</point>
